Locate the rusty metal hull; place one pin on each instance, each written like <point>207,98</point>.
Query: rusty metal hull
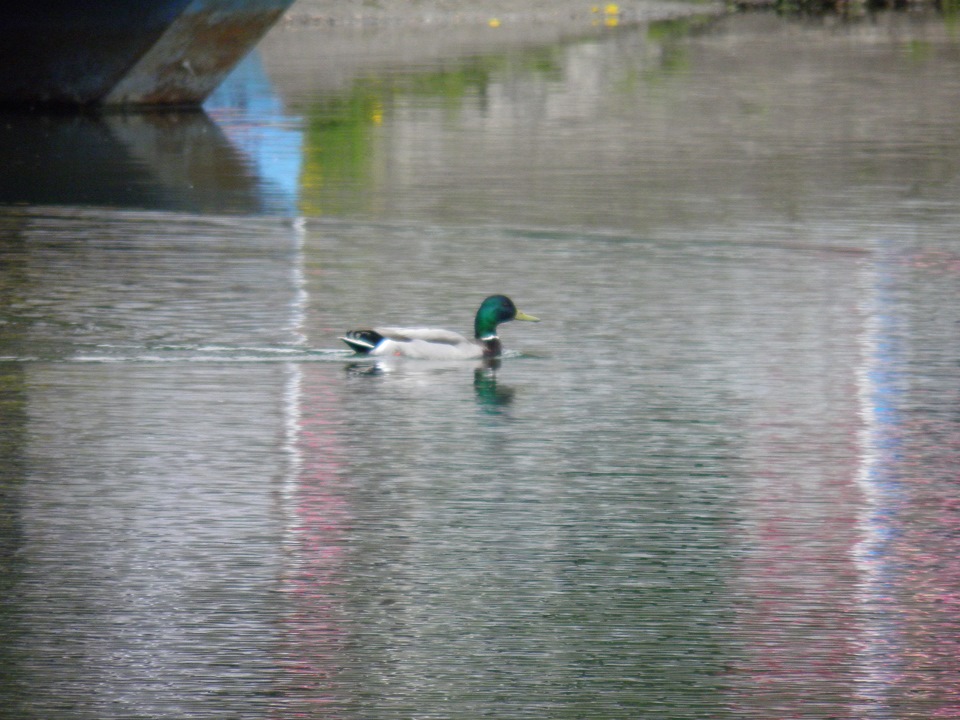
<point>58,53</point>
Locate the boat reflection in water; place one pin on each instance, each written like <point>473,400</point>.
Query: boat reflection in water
<point>188,161</point>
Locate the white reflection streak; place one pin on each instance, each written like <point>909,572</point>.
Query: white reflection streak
<point>292,389</point>
<point>877,626</point>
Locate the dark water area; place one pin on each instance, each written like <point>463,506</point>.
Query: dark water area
<point>718,480</point>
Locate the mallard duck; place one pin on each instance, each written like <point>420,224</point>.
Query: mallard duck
<point>431,344</point>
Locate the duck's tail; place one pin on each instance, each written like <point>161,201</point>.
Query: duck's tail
<point>362,341</point>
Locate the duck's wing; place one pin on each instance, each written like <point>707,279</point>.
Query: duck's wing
<point>431,335</point>
<point>426,343</point>
<point>422,343</point>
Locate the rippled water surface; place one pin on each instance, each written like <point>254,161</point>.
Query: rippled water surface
<point>719,480</point>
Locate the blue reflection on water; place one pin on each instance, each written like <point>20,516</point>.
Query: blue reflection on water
<point>880,642</point>
<point>252,116</point>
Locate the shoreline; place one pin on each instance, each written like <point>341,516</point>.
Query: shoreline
<point>493,14</point>
<point>322,46</point>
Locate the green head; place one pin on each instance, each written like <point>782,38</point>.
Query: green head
<point>493,311</point>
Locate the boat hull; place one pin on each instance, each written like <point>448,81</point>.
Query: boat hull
<point>117,53</point>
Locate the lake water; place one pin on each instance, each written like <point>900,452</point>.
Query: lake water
<point>719,480</point>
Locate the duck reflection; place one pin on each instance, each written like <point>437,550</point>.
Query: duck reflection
<point>492,397</point>
<point>365,369</point>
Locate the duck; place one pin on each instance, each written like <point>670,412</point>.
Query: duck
<point>435,344</point>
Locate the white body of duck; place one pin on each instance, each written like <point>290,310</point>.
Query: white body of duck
<point>435,344</point>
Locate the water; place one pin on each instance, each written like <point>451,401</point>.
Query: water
<point>718,479</point>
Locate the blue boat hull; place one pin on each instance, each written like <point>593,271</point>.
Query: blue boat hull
<point>121,53</point>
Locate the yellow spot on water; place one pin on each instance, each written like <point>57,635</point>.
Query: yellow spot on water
<point>494,23</point>
<point>611,9</point>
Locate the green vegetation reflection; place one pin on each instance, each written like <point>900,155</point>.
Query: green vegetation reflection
<point>345,154</point>
<point>342,131</point>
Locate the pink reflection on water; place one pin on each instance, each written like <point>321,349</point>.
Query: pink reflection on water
<point>849,587</point>
<point>797,623</point>
<point>318,535</point>
<point>926,553</point>
<point>916,435</point>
